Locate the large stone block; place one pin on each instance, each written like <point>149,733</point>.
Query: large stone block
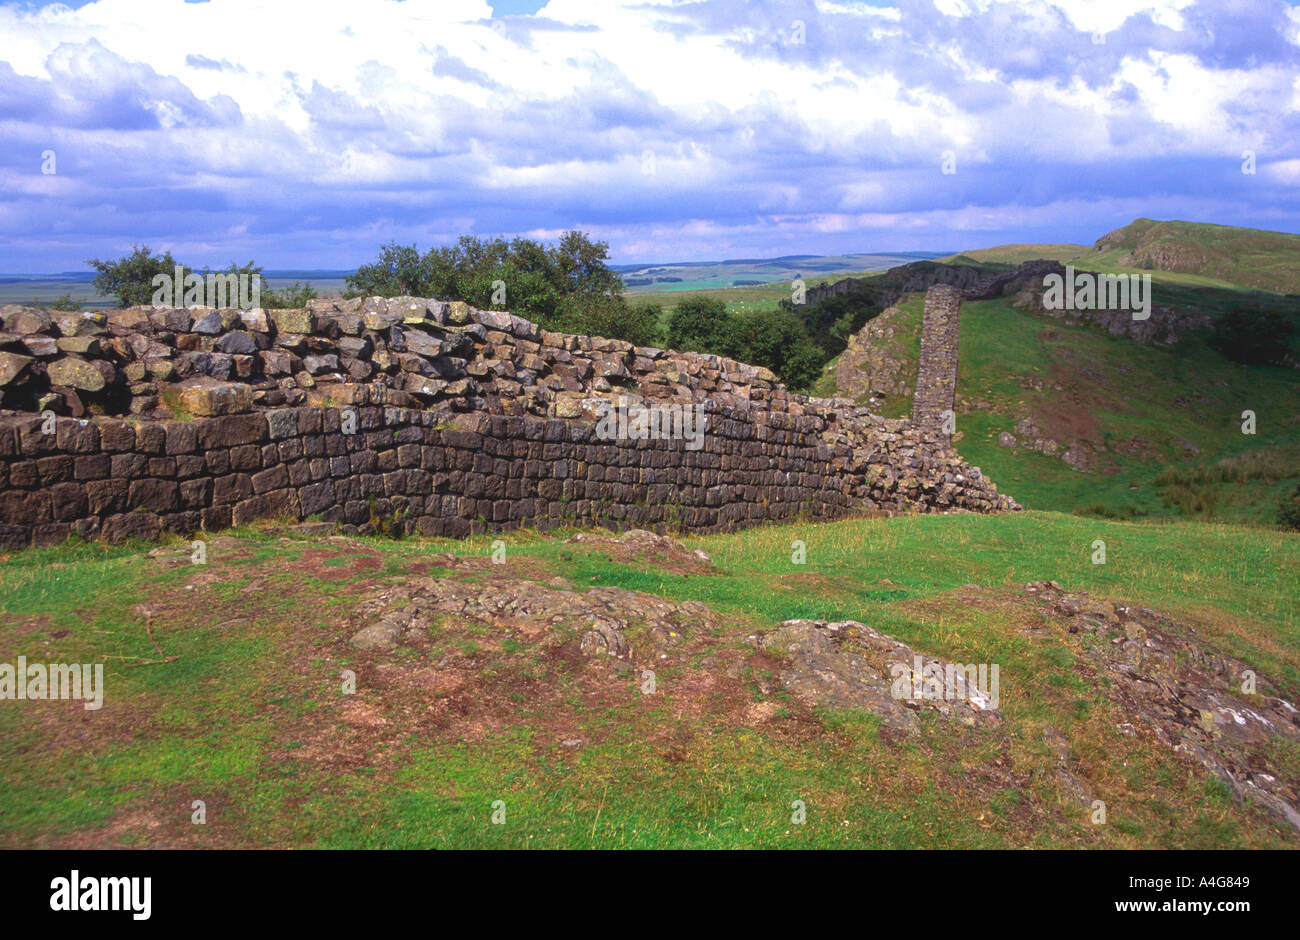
<point>217,398</point>
<point>232,430</point>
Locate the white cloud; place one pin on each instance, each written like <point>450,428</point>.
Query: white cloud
<point>542,122</point>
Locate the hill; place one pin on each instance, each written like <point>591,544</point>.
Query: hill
<point>1196,253</point>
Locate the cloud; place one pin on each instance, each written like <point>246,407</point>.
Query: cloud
<point>705,127</point>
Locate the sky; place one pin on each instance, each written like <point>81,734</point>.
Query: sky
<point>307,133</point>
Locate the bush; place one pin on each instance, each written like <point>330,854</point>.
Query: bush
<point>1254,337</point>
<point>563,286</point>
<point>777,340</point>
<point>1288,510</point>
<point>702,324</point>
<point>287,297</point>
<point>63,303</point>
<point>130,279</point>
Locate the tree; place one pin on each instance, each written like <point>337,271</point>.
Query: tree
<point>1254,337</point>
<point>701,324</point>
<point>399,272</point>
<point>565,286</point>
<point>130,279</point>
<point>833,320</point>
<point>777,340</point>
<point>612,317</point>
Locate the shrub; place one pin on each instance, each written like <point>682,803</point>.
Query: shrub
<point>1288,510</point>
<point>702,324</point>
<point>64,303</point>
<point>130,279</point>
<point>291,297</point>
<point>1254,337</point>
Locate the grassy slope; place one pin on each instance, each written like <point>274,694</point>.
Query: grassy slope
<point>1217,255</point>
<point>1142,398</point>
<point>251,720</point>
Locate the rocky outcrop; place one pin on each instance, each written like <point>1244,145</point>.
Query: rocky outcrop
<point>850,665</point>
<point>594,624</point>
<point>1205,705</point>
<point>974,283</point>
<point>1164,327</point>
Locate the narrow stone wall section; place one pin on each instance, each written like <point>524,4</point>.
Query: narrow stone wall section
<point>936,377</point>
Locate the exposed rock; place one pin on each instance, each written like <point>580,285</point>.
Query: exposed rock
<point>850,665</point>
<point>533,612</point>
<point>645,546</point>
<point>1187,695</point>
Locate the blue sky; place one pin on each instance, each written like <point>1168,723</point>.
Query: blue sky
<point>305,134</point>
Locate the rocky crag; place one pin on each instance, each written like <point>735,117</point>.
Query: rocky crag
<point>409,414</point>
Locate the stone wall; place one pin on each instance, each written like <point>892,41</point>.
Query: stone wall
<point>872,363</point>
<point>152,420</point>
<point>936,374</point>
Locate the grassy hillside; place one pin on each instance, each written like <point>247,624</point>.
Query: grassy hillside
<point>1166,423</point>
<point>1190,253</point>
<point>250,716</point>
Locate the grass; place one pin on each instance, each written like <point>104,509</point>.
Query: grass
<point>250,718</point>
<point>1205,255</point>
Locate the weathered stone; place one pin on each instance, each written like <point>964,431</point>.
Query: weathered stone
<point>82,345</point>
<point>78,374</point>
<point>216,398</point>
<point>208,325</point>
<point>12,366</point>
<point>78,323</point>
<point>294,321</point>
<point>237,342</point>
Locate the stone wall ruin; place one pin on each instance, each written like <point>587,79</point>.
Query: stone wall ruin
<point>412,415</point>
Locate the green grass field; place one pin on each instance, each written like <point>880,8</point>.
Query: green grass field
<point>251,719</point>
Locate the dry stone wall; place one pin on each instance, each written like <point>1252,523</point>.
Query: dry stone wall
<point>936,373</point>
<point>412,415</point>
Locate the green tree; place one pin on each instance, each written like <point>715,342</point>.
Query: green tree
<point>130,279</point>
<point>613,317</point>
<point>701,324</point>
<point>776,339</point>
<point>567,286</point>
<point>399,272</point>
<point>831,322</point>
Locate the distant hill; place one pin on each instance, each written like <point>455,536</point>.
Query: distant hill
<point>1196,253</point>
<point>1246,256</point>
